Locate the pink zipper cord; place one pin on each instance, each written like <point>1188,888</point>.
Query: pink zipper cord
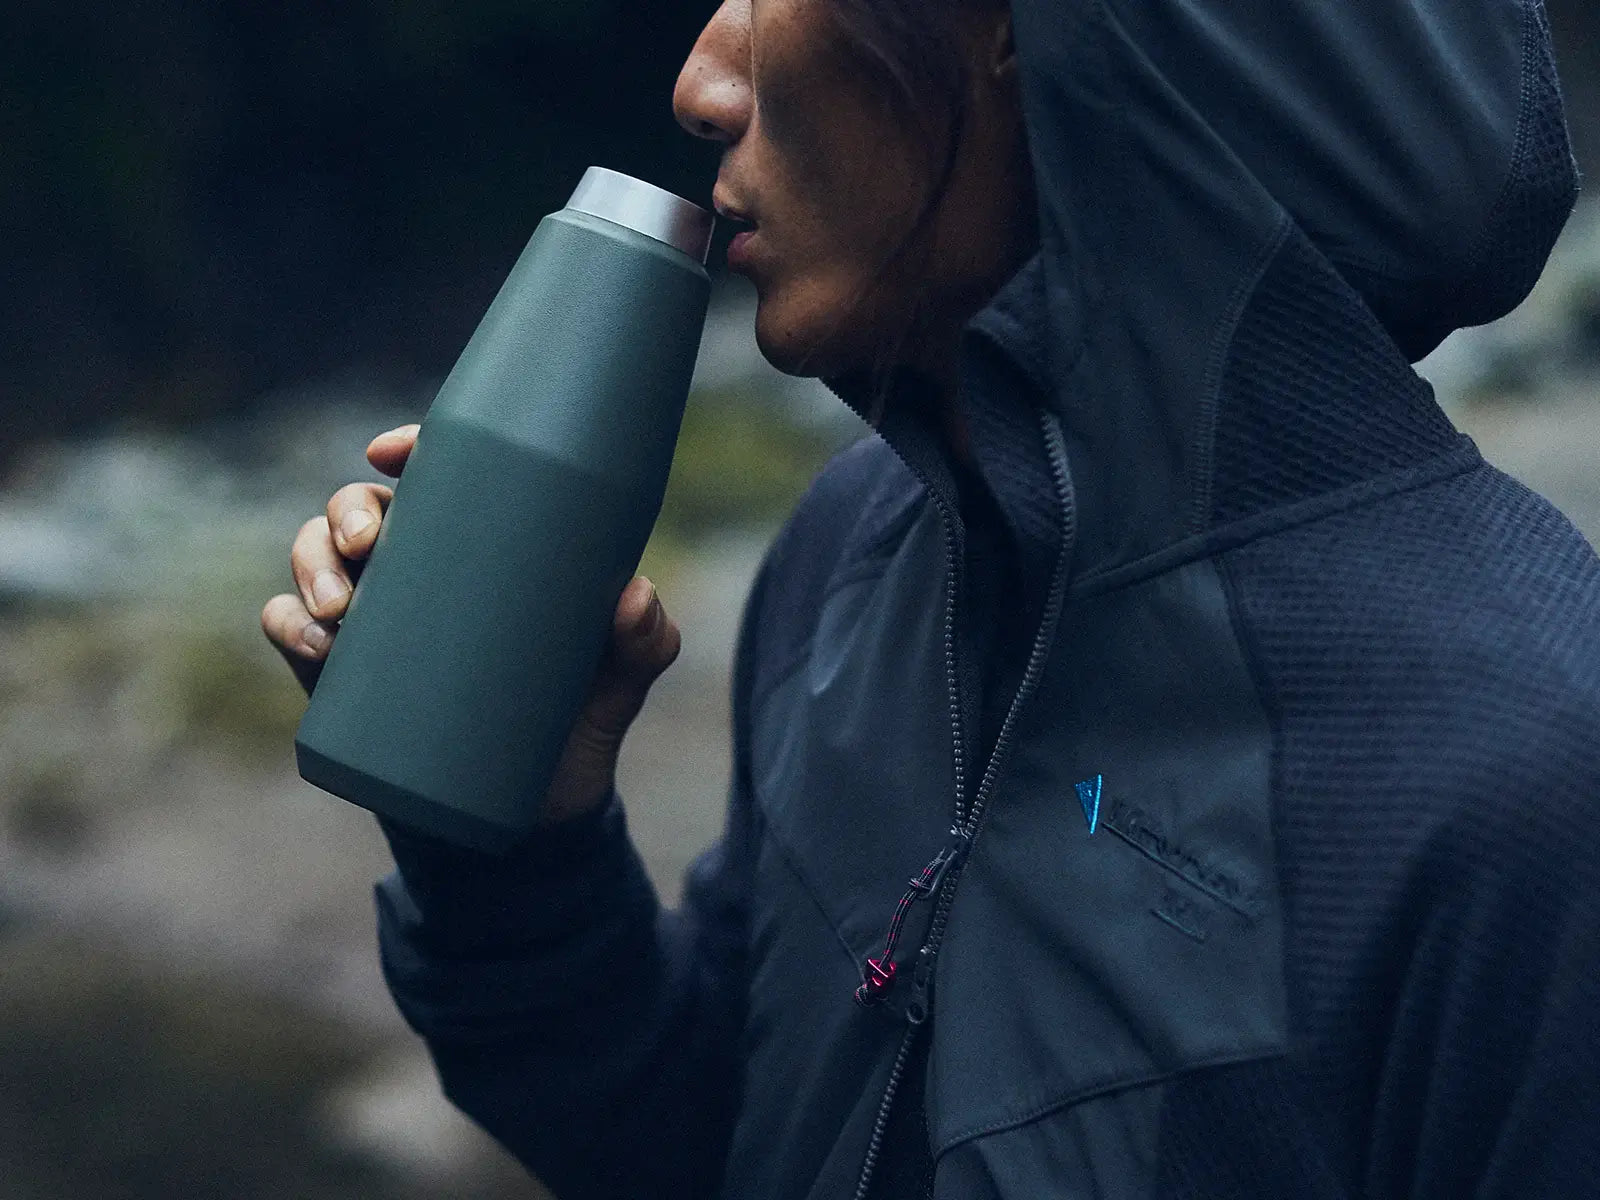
<point>878,974</point>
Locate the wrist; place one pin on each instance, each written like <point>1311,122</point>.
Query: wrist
<point>457,901</point>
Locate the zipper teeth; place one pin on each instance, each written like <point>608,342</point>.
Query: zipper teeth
<point>875,1147</point>
<point>1031,676</point>
<point>1034,670</point>
<point>869,1164</point>
<point>952,682</point>
<point>969,823</point>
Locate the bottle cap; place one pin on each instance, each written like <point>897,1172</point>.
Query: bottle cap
<point>644,208</point>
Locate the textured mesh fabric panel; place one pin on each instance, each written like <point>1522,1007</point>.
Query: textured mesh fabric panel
<point>1431,663</point>
<point>1315,395</point>
<point>1539,191</point>
<point>1009,446</point>
<point>1247,1130</point>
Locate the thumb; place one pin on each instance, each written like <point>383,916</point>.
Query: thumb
<point>389,451</point>
<point>645,641</point>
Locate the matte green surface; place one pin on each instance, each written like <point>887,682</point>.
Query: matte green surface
<point>473,636</point>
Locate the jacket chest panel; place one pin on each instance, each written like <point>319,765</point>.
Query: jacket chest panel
<point>851,750</point>
<point>853,786</point>
<point>1119,920</point>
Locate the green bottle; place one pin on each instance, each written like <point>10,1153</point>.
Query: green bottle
<point>474,634</point>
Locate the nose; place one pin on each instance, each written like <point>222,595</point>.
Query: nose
<point>712,98</point>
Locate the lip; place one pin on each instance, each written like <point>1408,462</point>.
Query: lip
<point>722,200</point>
<point>739,250</point>
<point>730,208</point>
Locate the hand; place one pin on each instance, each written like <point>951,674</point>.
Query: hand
<point>326,560</point>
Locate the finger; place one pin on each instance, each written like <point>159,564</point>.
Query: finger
<point>303,641</point>
<point>645,641</point>
<point>319,572</point>
<point>354,514</point>
<point>388,451</point>
<point>295,631</point>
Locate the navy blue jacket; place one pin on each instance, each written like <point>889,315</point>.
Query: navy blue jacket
<point>1255,774</point>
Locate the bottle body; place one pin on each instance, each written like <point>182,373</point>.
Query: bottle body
<point>474,634</point>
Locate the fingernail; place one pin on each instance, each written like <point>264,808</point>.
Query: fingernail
<point>354,522</point>
<point>317,639</point>
<point>326,588</point>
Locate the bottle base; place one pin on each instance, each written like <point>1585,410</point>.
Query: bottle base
<point>404,807</point>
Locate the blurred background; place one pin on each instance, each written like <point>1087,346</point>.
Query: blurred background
<point>238,240</point>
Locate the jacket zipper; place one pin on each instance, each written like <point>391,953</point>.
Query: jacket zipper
<point>941,876</point>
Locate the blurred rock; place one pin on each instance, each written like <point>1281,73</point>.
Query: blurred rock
<point>1553,446</point>
<point>120,1081</point>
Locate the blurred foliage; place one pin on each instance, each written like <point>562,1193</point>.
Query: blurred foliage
<point>129,684</point>
<point>47,812</point>
<point>738,465</point>
<point>177,659</point>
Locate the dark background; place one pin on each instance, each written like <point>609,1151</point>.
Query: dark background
<point>202,203</point>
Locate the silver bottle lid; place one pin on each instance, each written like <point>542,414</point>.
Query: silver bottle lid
<point>644,208</point>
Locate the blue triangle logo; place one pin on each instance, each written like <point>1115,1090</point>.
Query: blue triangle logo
<point>1089,796</point>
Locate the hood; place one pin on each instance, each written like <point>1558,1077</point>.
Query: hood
<point>1254,216</point>
<point>1419,145</point>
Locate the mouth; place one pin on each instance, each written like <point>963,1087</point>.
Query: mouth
<point>727,208</point>
<point>739,251</point>
<point>738,248</point>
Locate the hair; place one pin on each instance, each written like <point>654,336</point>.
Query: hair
<point>919,54</point>
<point>916,48</point>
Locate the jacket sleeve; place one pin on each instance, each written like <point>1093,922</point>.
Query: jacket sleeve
<point>596,1035</point>
<point>1526,1002</point>
<point>1496,1073</point>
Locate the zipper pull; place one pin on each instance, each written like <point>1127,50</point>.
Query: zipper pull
<point>878,974</point>
<point>919,1004</point>
<point>947,858</point>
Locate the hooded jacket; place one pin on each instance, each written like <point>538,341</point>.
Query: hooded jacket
<point>1258,801</point>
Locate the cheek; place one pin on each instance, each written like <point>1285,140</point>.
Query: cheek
<point>824,301</point>
<point>839,189</point>
<point>829,133</point>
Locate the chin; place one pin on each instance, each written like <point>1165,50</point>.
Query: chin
<point>804,344</point>
<point>785,354</point>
